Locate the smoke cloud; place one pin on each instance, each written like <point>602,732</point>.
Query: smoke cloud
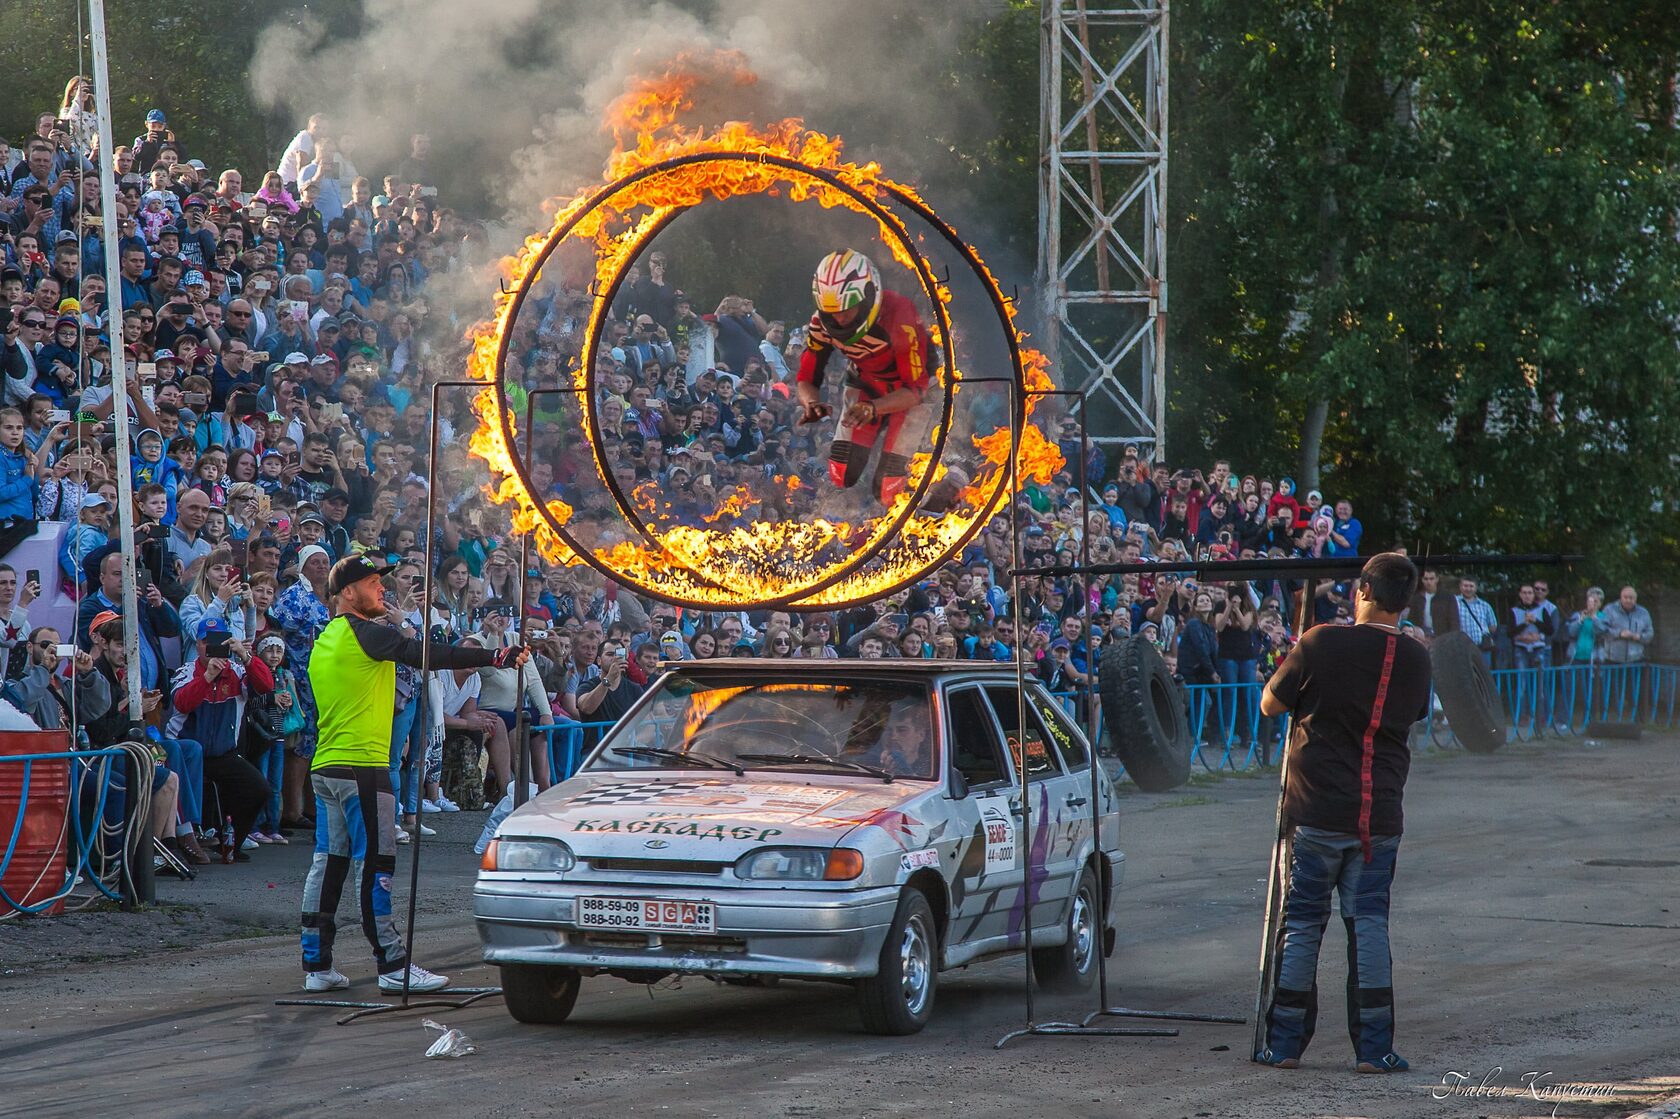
<point>512,93</point>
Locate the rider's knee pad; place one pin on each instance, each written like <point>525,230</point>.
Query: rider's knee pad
<point>890,476</point>
<point>846,461</point>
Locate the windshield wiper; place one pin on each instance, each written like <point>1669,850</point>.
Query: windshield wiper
<point>691,757</point>
<point>817,759</point>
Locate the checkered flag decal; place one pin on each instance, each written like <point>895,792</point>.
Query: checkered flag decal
<point>637,792</point>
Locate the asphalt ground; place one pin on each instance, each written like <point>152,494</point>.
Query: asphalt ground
<point>1535,921</point>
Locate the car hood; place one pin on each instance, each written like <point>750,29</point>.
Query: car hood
<point>712,818</point>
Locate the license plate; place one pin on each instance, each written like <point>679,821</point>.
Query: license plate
<point>647,915</point>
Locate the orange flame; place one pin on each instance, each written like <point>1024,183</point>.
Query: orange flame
<point>762,560</point>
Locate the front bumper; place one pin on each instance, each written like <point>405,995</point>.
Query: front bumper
<point>813,934</point>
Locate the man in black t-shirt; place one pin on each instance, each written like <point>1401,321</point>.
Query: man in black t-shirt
<point>1352,693</point>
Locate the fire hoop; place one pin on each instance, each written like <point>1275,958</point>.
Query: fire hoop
<point>691,579</point>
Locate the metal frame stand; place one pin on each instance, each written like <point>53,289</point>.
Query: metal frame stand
<point>1102,209</point>
<point>1083,1028</point>
<point>475,994</point>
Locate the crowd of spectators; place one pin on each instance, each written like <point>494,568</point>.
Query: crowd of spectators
<point>275,349</point>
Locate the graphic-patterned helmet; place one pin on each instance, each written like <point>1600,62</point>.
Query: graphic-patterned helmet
<point>845,280</point>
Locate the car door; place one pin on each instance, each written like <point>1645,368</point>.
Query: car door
<point>1058,812</point>
<point>988,872</point>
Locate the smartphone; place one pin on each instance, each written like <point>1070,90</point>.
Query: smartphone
<point>195,399</point>
<point>259,286</point>
<point>260,355</point>
<point>67,652</point>
<point>217,645</point>
<point>32,576</point>
<point>900,620</point>
<point>148,370</point>
<point>332,413</point>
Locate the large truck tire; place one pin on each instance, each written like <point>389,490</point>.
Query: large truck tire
<point>1465,688</point>
<point>1144,710</point>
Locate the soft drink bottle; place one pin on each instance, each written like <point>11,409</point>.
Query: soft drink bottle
<point>227,844</point>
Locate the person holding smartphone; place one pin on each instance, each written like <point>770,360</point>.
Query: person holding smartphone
<point>14,620</point>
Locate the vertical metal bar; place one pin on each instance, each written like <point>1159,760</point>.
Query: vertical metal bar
<point>522,768</point>
<point>1050,177</point>
<point>1093,144</point>
<point>425,658</point>
<point>1017,421</point>
<point>119,368</point>
<point>1158,284</point>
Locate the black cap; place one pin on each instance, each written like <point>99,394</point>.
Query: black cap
<point>335,494</point>
<point>350,570</point>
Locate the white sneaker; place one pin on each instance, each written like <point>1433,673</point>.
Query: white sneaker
<point>430,806</point>
<point>330,980</point>
<point>446,805</point>
<point>402,836</point>
<point>424,830</point>
<point>419,979</point>
<point>249,844</point>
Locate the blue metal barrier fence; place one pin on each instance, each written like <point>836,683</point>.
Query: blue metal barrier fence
<point>1233,736</point>
<point>1558,702</point>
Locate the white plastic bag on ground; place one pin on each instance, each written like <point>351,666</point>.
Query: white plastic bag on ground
<point>451,1043</point>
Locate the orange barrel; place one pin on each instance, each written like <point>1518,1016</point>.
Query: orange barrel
<point>37,867</point>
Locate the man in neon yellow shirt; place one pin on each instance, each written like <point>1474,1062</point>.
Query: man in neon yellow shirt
<point>353,671</point>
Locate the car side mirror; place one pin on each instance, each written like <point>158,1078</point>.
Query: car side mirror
<point>959,785</point>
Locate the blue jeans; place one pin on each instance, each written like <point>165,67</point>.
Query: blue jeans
<point>408,755</point>
<point>1321,861</point>
<point>272,765</point>
<point>1239,705</point>
<point>185,759</point>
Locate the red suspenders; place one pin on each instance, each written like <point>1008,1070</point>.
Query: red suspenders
<point>1366,748</point>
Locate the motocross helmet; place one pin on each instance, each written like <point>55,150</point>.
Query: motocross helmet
<point>844,280</point>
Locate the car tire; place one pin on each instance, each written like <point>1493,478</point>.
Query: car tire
<point>1148,726</point>
<point>540,994</point>
<point>1465,688</point>
<point>898,999</point>
<point>1071,966</point>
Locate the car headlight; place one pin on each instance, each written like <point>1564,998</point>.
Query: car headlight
<point>801,864</point>
<point>541,855</point>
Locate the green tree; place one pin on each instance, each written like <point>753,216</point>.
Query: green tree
<point>186,59</point>
<point>1431,250</point>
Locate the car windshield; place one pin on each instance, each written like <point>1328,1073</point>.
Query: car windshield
<point>872,727</point>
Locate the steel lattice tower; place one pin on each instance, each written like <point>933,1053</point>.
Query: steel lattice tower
<point>1102,210</point>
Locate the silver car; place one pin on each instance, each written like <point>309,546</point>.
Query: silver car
<point>833,820</point>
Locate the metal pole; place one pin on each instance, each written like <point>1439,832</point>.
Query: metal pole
<point>522,771</point>
<point>1049,176</point>
<point>425,661</point>
<point>119,365</point>
<point>1023,839</point>
<point>1158,286</point>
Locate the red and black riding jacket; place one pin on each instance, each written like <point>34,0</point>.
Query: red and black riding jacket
<point>891,354</point>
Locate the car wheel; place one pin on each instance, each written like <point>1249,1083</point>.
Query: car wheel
<point>540,994</point>
<point>898,999</point>
<point>1071,966</point>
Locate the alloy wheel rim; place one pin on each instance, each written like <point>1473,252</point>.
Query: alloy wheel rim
<point>915,966</point>
<point>1082,934</point>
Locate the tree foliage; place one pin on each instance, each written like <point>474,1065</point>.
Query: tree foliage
<point>1455,224</point>
<point>184,58</point>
